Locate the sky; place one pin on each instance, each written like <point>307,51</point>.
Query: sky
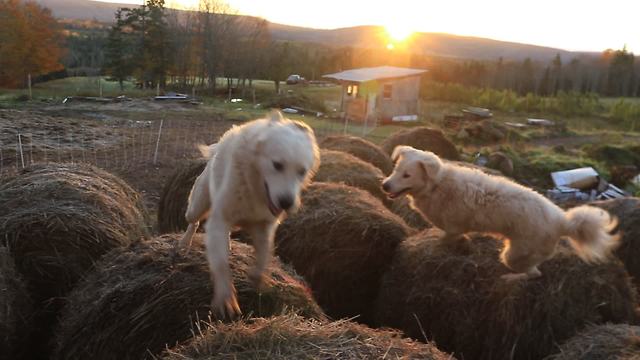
<point>578,25</point>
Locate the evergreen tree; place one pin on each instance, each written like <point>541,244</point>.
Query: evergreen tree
<point>118,53</point>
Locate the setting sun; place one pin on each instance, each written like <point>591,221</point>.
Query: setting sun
<point>398,32</point>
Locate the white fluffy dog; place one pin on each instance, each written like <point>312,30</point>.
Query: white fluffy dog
<point>460,200</point>
<point>255,173</point>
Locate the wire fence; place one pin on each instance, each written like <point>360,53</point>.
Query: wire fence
<point>161,142</point>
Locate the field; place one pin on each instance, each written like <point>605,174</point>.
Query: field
<point>147,142</point>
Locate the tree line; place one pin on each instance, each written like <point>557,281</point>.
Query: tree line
<point>164,47</point>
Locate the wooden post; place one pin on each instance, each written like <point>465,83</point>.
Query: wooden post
<point>158,89</point>
<point>100,85</point>
<point>193,92</point>
<point>253,94</point>
<point>29,85</point>
<point>155,155</point>
<point>21,153</point>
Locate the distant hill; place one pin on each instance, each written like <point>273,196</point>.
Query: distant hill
<point>83,9</point>
<point>435,44</point>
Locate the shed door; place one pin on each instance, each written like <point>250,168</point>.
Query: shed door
<point>371,105</point>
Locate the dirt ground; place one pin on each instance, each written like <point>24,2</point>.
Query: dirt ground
<point>124,138</point>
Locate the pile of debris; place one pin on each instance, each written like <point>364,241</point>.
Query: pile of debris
<point>177,97</point>
<point>97,99</point>
<point>582,185</point>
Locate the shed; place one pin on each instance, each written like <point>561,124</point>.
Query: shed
<point>385,93</point>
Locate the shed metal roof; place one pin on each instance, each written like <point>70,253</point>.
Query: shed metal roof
<point>374,73</point>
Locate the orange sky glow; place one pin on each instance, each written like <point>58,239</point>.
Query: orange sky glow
<point>590,25</point>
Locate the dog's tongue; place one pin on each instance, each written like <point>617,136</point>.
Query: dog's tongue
<point>274,209</point>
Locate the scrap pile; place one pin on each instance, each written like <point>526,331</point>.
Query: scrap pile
<point>582,185</point>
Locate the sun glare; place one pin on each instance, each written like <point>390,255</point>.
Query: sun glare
<point>398,32</point>
<point>183,4</point>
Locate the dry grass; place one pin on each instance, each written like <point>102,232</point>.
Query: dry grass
<point>16,310</point>
<point>602,342</point>
<point>175,196</point>
<point>456,296</point>
<point>341,241</point>
<point>423,138</point>
<point>360,148</point>
<point>627,210</point>
<point>142,298</point>
<point>292,337</point>
<point>58,219</point>
<point>342,168</point>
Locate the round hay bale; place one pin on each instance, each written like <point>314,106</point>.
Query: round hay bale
<point>500,161</point>
<point>411,216</point>
<point>627,210</point>
<point>457,297</point>
<point>292,337</point>
<point>340,241</point>
<point>340,167</point>
<point>423,138</point>
<point>602,342</point>
<point>15,310</point>
<point>360,148</point>
<point>141,299</point>
<point>58,219</point>
<point>174,197</point>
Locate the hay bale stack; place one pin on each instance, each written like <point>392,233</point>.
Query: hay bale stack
<point>141,299</point>
<point>500,161</point>
<point>15,310</point>
<point>602,342</point>
<point>292,337</point>
<point>360,148</point>
<point>343,168</point>
<point>627,210</point>
<point>175,197</point>
<point>411,216</point>
<point>341,241</point>
<point>423,138</point>
<point>58,219</point>
<point>457,297</point>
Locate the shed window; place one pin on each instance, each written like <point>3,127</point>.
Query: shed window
<point>386,91</point>
<point>352,90</point>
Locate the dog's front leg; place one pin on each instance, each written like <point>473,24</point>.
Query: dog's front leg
<point>262,235</point>
<point>225,301</point>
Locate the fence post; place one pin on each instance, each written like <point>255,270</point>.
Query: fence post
<point>29,85</point>
<point>155,155</point>
<point>21,154</point>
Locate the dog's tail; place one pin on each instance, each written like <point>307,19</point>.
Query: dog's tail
<point>207,151</point>
<point>590,232</point>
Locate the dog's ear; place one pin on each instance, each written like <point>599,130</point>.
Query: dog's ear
<point>399,151</point>
<point>431,164</point>
<point>275,116</point>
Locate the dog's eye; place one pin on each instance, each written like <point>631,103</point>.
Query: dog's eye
<point>302,172</point>
<point>278,166</point>
<point>406,175</point>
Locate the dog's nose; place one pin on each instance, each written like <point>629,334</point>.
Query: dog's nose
<point>385,186</point>
<point>285,202</point>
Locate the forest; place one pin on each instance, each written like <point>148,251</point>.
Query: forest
<point>184,49</point>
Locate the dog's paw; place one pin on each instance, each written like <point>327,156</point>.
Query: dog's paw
<point>259,279</point>
<point>225,305</point>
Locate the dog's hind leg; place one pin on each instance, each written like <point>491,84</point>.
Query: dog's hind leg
<point>524,262</point>
<point>198,208</point>
<point>262,235</point>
